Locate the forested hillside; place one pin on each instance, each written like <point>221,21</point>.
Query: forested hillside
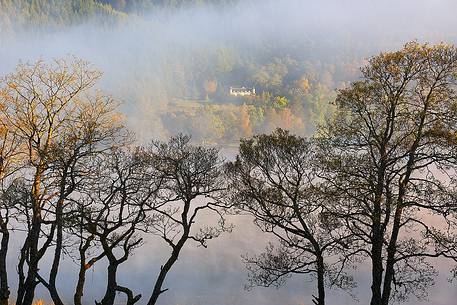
<point>186,87</point>
<point>27,14</point>
<point>184,56</point>
<point>57,13</point>
<point>140,6</point>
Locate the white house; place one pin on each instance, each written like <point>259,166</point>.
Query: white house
<point>242,91</point>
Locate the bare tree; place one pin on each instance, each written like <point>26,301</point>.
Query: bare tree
<point>191,188</point>
<point>113,213</point>
<point>390,154</point>
<point>274,180</point>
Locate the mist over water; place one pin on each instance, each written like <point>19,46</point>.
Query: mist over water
<point>135,57</point>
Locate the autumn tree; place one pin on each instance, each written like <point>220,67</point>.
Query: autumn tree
<point>302,84</point>
<point>93,131</point>
<point>51,111</point>
<point>274,180</point>
<point>10,164</point>
<point>390,157</point>
<point>210,87</point>
<point>191,189</point>
<point>245,121</point>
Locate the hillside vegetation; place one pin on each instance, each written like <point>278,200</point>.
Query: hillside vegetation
<point>27,14</point>
<point>183,86</point>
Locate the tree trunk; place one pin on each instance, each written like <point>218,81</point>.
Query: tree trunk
<point>320,281</point>
<point>4,289</point>
<point>172,259</point>
<point>79,291</point>
<point>31,280</point>
<point>83,267</point>
<point>57,254</point>
<point>111,286</point>
<point>33,241</point>
<point>21,274</point>
<point>376,268</point>
<point>377,235</point>
<point>163,273</point>
<point>391,251</point>
<point>161,278</point>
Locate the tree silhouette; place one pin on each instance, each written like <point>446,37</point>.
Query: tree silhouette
<point>192,185</point>
<point>58,124</point>
<point>274,180</point>
<point>390,155</point>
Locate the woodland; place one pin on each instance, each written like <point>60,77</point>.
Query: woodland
<point>342,162</point>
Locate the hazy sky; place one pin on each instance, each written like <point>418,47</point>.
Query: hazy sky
<point>131,54</point>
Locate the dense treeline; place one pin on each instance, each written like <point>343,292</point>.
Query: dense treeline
<point>17,15</point>
<point>142,6</point>
<point>376,184</point>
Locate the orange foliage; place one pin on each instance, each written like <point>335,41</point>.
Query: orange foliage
<point>245,121</point>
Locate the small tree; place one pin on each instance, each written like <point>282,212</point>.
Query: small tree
<point>274,180</point>
<point>191,185</point>
<point>210,87</point>
<point>113,212</point>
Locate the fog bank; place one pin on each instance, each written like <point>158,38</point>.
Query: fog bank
<point>149,62</point>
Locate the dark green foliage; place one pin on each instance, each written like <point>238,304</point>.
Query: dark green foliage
<point>30,14</point>
<point>139,6</point>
